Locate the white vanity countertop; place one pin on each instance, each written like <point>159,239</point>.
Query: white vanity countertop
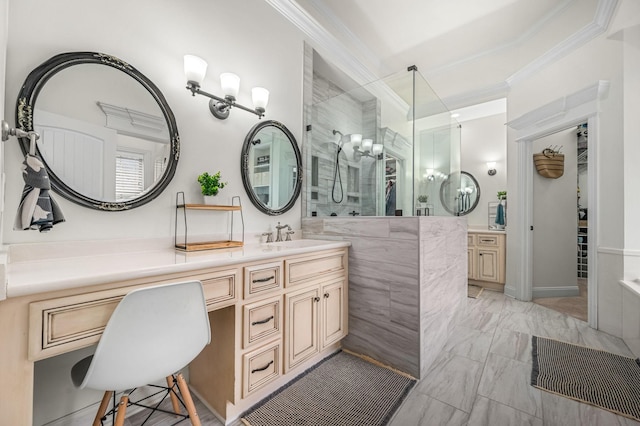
<point>38,274</point>
<point>487,231</point>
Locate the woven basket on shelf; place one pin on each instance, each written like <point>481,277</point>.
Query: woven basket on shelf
<point>549,163</point>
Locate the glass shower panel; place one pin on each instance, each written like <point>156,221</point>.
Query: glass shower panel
<point>352,174</point>
<point>361,155</point>
<point>437,151</point>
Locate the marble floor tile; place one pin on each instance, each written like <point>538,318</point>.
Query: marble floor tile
<point>514,305</point>
<point>509,382</point>
<point>517,321</point>
<point>422,410</point>
<point>486,412</point>
<point>561,411</point>
<point>481,321</point>
<point>453,379</point>
<point>599,340</point>
<point>485,303</point>
<point>469,343</point>
<point>482,376</point>
<point>512,344</point>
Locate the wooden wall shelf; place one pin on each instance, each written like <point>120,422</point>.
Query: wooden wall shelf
<point>185,245</point>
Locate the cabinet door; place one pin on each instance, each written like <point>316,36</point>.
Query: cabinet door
<point>488,261</point>
<point>334,309</point>
<point>301,326</point>
<point>471,263</point>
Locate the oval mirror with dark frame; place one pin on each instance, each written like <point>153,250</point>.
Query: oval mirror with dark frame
<point>271,167</point>
<point>460,193</point>
<point>108,137</point>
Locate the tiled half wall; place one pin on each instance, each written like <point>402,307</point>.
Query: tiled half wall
<point>407,280</point>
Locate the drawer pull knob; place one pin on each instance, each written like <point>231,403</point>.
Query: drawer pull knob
<point>263,280</point>
<point>264,321</point>
<point>255,370</point>
<point>326,295</point>
<point>316,299</point>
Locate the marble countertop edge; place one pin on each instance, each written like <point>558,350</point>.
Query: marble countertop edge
<point>34,276</point>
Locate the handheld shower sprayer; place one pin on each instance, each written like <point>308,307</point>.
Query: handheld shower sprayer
<point>337,178</point>
<point>339,140</point>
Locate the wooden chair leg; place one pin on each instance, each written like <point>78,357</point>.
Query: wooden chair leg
<point>103,408</point>
<point>188,402</point>
<point>122,410</point>
<point>174,398</point>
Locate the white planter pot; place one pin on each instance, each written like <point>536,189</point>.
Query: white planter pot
<point>210,200</point>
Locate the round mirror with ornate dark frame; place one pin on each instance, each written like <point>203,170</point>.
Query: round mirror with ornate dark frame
<point>271,167</point>
<point>99,118</point>
<point>460,193</point>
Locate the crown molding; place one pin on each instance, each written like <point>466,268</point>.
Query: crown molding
<point>525,36</point>
<point>336,52</point>
<point>600,23</point>
<point>332,48</point>
<point>575,107</point>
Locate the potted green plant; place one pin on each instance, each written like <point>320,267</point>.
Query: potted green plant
<point>422,200</point>
<point>210,185</point>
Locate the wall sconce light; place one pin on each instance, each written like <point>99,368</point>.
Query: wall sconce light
<point>195,69</point>
<point>491,165</point>
<point>429,175</point>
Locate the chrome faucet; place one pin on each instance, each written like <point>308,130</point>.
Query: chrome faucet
<point>279,229</point>
<point>269,236</point>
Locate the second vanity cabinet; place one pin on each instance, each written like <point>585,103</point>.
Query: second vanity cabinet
<point>315,305</point>
<point>486,259</point>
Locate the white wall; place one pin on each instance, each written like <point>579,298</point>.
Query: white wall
<point>4,35</point>
<point>555,222</point>
<point>153,36</point>
<point>599,59</point>
<point>483,140</point>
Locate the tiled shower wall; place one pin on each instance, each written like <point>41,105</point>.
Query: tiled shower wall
<point>407,278</point>
<point>328,107</point>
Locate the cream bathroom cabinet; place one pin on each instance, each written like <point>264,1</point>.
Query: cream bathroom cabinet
<point>274,311</point>
<point>315,317</point>
<point>486,259</point>
<point>315,306</point>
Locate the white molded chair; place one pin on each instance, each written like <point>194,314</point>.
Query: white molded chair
<point>152,333</point>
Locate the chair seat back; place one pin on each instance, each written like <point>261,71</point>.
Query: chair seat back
<point>152,333</point>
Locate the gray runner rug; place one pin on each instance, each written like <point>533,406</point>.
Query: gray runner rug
<point>343,390</point>
<point>588,375</point>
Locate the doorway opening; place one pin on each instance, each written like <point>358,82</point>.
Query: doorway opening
<point>560,225</point>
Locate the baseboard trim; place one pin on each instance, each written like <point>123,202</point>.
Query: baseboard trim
<point>565,291</point>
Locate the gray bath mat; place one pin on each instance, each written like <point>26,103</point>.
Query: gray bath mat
<point>588,375</point>
<point>342,390</point>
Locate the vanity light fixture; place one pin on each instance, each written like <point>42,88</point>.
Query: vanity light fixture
<point>366,148</point>
<point>491,166</point>
<point>195,69</point>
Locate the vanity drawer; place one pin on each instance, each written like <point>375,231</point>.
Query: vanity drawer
<point>63,324</point>
<point>261,367</point>
<point>259,279</point>
<point>261,320</point>
<point>308,269</point>
<point>487,240</point>
<point>219,288</point>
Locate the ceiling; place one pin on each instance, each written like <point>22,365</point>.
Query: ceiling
<point>469,51</point>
